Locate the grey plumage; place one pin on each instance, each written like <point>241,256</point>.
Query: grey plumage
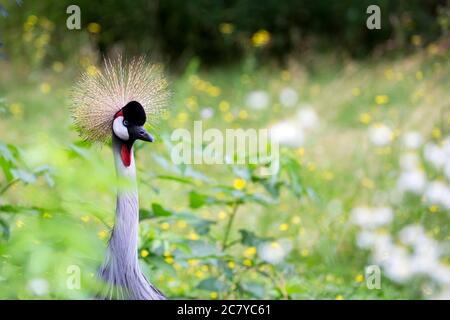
<point>121,272</point>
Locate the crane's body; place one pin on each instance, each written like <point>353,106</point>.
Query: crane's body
<point>116,102</point>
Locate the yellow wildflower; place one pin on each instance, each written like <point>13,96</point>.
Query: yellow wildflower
<point>239,184</point>
<point>16,109</point>
<point>193,236</point>
<point>250,252</point>
<point>359,278</point>
<point>192,103</point>
<point>416,40</point>
<point>224,106</point>
<point>222,215</point>
<point>328,175</point>
<point>243,114</point>
<point>181,224</point>
<point>296,220</point>
<point>434,208</point>
<point>365,118</point>
<point>283,227</point>
<point>247,262</point>
<point>102,234</point>
<point>304,252</point>
<point>165,226</point>
<point>260,38</point>
<point>228,117</point>
<point>94,27</point>
<point>213,91</point>
<point>182,117</point>
<point>436,133</point>
<point>356,92</point>
<point>169,260</point>
<point>226,28</point>
<point>192,262</point>
<point>45,88</point>
<point>199,274</point>
<point>92,70</point>
<point>144,253</point>
<point>285,75</point>
<point>381,99</point>
<point>367,183</point>
<point>58,66</point>
<point>213,295</point>
<point>419,75</point>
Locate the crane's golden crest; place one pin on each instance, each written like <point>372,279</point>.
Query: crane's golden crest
<point>97,98</point>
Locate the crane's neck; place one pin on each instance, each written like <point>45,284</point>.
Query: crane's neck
<point>121,268</point>
<point>124,239</point>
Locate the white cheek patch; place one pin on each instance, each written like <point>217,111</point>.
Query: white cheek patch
<point>119,129</point>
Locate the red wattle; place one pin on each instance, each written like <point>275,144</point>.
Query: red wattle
<point>125,154</point>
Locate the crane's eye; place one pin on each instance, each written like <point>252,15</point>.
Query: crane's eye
<point>125,123</point>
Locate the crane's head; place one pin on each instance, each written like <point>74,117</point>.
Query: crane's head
<point>122,95</point>
<point>128,124</point>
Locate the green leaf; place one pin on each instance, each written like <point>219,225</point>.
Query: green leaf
<point>197,200</point>
<point>250,239</point>
<point>159,211</point>
<point>212,284</point>
<point>21,209</point>
<point>259,198</point>
<point>145,214</point>
<point>24,176</point>
<point>5,230</point>
<point>292,168</point>
<point>255,289</point>
<point>202,226</point>
<point>176,178</point>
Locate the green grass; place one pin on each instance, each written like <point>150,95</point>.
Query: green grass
<point>339,169</point>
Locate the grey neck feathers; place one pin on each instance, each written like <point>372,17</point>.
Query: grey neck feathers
<point>121,271</point>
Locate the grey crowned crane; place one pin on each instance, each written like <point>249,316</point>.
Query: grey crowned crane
<point>115,104</point>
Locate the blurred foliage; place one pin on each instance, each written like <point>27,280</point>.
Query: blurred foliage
<point>225,31</point>
<point>223,231</point>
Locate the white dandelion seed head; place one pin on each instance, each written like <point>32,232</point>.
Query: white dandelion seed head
<point>288,97</point>
<point>380,135</point>
<point>398,265</point>
<point>258,100</point>
<point>371,218</point>
<point>409,161</point>
<point>438,193</point>
<point>365,239</point>
<point>447,170</point>
<point>38,286</point>
<point>435,155</point>
<point>274,252</point>
<point>307,118</point>
<point>412,140</point>
<point>412,234</point>
<point>207,113</point>
<point>286,133</point>
<point>413,181</point>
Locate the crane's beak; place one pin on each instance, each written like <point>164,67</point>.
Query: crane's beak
<point>140,133</point>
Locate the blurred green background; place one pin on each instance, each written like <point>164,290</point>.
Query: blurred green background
<point>362,117</point>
